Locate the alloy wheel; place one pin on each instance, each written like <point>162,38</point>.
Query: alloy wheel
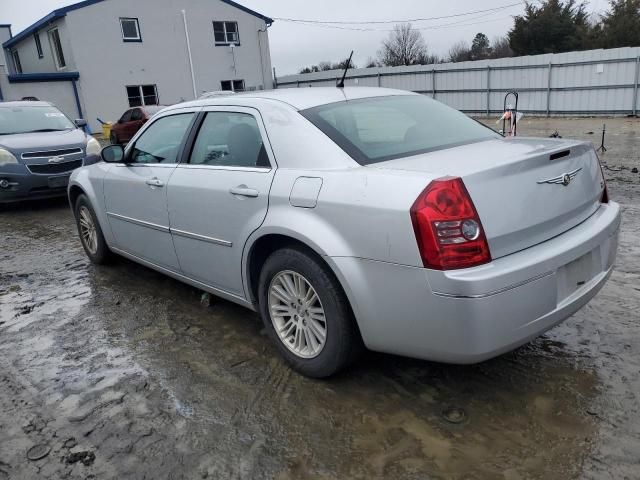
<point>297,314</point>
<point>88,232</point>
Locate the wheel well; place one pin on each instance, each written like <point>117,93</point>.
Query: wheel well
<point>268,244</point>
<point>74,193</point>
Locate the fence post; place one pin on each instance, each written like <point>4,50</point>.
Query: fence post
<point>549,90</point>
<point>635,87</point>
<point>433,83</point>
<point>379,80</point>
<point>488,90</point>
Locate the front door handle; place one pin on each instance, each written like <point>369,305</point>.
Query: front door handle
<point>154,182</point>
<point>244,191</point>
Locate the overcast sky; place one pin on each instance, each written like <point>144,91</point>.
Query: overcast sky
<point>295,45</point>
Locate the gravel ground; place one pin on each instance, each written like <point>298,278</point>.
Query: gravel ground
<point>120,372</point>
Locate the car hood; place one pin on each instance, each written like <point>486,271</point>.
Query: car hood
<point>43,140</point>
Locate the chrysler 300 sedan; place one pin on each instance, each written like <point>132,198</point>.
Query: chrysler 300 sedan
<point>39,147</point>
<point>358,217</point>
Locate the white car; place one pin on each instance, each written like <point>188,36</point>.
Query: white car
<point>358,216</point>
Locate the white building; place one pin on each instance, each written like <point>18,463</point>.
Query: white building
<point>96,58</point>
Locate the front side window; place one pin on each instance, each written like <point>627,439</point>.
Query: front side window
<point>232,85</point>
<point>130,30</point>
<point>229,139</point>
<point>226,33</point>
<point>30,119</point>
<point>16,61</point>
<point>161,142</point>
<point>139,95</point>
<point>56,47</point>
<point>377,129</point>
<point>36,38</point>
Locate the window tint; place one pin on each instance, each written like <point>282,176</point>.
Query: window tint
<point>36,38</point>
<point>130,29</point>
<point>56,45</point>
<point>139,95</point>
<point>229,139</point>
<point>383,128</point>
<point>16,61</point>
<point>136,114</point>
<point>225,33</point>
<point>161,141</point>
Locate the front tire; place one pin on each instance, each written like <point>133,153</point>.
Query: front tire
<point>306,313</point>
<point>113,139</point>
<point>90,232</point>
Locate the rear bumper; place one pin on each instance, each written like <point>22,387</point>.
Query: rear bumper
<point>470,315</point>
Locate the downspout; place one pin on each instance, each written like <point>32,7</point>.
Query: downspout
<point>79,106</point>
<point>186,34</point>
<point>266,26</point>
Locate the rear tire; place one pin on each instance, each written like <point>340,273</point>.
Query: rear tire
<point>314,347</point>
<point>90,232</point>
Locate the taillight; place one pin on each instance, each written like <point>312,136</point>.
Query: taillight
<point>447,227</point>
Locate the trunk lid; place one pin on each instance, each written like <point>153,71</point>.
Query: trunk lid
<point>526,190</point>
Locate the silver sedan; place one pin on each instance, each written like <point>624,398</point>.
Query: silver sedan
<point>358,217</point>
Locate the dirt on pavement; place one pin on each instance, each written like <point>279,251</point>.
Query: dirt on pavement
<point>121,372</point>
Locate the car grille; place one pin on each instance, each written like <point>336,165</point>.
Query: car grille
<point>54,168</point>
<point>52,153</point>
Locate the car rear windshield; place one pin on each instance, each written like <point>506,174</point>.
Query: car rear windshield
<point>28,119</point>
<point>378,129</point>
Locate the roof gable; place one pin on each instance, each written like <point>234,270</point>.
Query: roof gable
<point>62,12</point>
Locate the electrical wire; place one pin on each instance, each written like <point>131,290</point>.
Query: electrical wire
<point>378,22</point>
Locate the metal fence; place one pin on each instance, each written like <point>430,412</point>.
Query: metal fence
<point>592,82</point>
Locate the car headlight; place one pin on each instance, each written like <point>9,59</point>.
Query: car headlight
<point>93,147</point>
<point>6,157</point>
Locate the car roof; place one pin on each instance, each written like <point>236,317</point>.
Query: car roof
<point>299,98</point>
<point>25,103</point>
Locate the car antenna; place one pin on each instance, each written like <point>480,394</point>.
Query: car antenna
<point>340,83</point>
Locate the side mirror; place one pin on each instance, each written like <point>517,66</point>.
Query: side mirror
<point>80,122</point>
<point>112,153</point>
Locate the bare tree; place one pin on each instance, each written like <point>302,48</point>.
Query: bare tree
<point>405,46</point>
<point>460,52</point>
<point>500,48</point>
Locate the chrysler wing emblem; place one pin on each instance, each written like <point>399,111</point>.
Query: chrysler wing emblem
<point>56,159</point>
<point>564,179</point>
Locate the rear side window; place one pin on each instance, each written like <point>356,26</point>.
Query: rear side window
<point>161,142</point>
<point>229,139</point>
<point>377,129</point>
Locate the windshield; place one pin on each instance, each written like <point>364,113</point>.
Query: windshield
<point>27,119</point>
<point>377,129</point>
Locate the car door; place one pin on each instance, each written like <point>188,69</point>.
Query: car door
<point>136,194</point>
<point>121,126</point>
<point>219,195</point>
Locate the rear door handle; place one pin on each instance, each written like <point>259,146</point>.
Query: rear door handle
<point>244,191</point>
<point>154,182</point>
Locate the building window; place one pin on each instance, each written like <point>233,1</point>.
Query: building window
<point>226,33</point>
<point>56,47</point>
<point>140,95</point>
<point>232,85</point>
<point>16,61</point>
<point>130,30</point>
<point>36,38</point>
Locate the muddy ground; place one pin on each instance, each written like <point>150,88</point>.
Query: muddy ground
<point>120,372</point>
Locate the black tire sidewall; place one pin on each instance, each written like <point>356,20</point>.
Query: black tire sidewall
<point>336,352</point>
<point>113,139</point>
<point>102,254</point>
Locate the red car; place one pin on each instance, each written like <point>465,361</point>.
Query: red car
<point>131,122</point>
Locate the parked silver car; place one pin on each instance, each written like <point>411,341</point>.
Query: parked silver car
<point>39,147</point>
<point>358,216</point>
